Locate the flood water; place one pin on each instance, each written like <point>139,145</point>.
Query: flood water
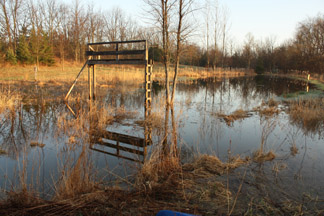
<point>43,118</point>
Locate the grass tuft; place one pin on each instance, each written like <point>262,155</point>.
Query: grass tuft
<point>237,115</point>
<point>307,113</point>
<point>37,144</point>
<point>261,157</point>
<point>3,152</point>
<point>8,100</point>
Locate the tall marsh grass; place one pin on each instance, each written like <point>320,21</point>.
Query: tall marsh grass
<point>8,100</point>
<point>309,113</point>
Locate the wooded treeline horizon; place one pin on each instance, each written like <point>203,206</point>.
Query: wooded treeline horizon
<point>48,32</point>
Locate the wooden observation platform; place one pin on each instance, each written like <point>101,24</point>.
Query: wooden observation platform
<point>133,52</point>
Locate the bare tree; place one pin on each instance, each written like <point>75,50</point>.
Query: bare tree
<point>310,44</point>
<point>207,21</point>
<point>63,31</point>
<point>248,49</point>
<point>15,6</point>
<point>5,20</point>
<point>50,11</point>
<point>115,21</point>
<point>224,29</point>
<point>92,23</point>
<point>78,21</point>
<point>161,11</point>
<point>216,30</point>
<point>10,12</point>
<point>36,21</point>
<point>183,30</point>
<point>270,46</point>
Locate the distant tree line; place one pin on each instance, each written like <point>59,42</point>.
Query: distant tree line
<point>50,31</point>
<point>33,32</point>
<point>304,52</point>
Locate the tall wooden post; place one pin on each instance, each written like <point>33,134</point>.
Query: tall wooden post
<point>117,56</point>
<point>93,82</point>
<point>90,82</point>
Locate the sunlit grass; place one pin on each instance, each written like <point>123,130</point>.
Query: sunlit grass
<point>8,100</point>
<point>307,113</point>
<point>231,118</point>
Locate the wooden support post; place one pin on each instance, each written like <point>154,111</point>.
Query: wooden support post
<point>146,52</point>
<point>93,82</point>
<point>89,81</point>
<point>117,56</point>
<point>117,148</point>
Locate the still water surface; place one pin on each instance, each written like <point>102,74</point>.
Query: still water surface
<point>43,118</point>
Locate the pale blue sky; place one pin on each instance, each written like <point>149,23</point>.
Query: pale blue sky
<point>262,18</point>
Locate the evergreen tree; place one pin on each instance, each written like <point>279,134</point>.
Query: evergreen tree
<point>11,57</point>
<point>23,53</point>
<point>2,52</point>
<point>46,52</point>
<point>34,41</point>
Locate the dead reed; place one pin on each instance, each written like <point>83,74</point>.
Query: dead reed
<point>207,165</point>
<point>308,113</point>
<point>37,144</point>
<point>8,100</point>
<point>231,118</point>
<point>268,108</point>
<point>3,152</point>
<point>260,157</point>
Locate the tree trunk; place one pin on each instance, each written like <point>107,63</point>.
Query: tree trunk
<point>165,32</point>
<point>176,68</point>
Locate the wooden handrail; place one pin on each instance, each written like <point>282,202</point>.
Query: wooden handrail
<point>119,61</point>
<point>118,42</point>
<point>122,52</point>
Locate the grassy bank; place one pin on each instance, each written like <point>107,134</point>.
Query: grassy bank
<point>111,73</point>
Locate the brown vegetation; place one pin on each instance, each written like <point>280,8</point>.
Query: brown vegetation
<point>237,115</point>
<point>307,113</point>
<point>293,150</point>
<point>207,165</point>
<point>8,100</point>
<point>37,144</point>
<point>2,151</point>
<point>159,184</point>
<point>268,108</point>
<point>261,157</point>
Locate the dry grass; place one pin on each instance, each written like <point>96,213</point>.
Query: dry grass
<point>200,72</point>
<point>309,114</point>
<point>207,165</point>
<point>161,170</point>
<point>268,108</point>
<point>293,150</point>
<point>236,115</point>
<point>260,157</point>
<point>37,144</point>
<point>8,100</point>
<point>109,74</point>
<point>268,111</point>
<point>3,152</point>
<point>192,188</point>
